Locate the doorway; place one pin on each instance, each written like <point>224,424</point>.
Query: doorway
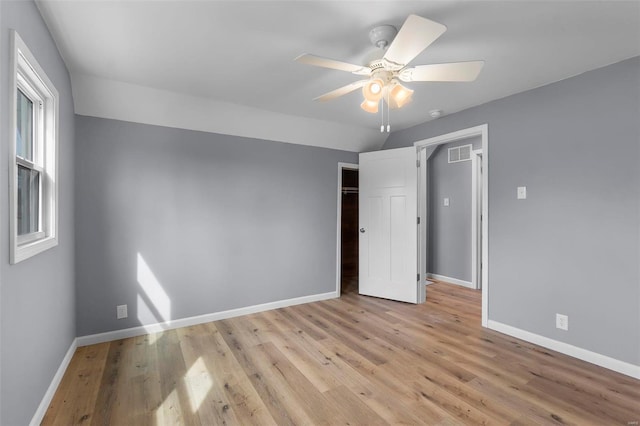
<point>479,215</point>
<point>348,239</point>
<point>453,198</point>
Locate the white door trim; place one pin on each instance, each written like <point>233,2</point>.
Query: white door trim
<point>476,219</point>
<point>341,166</point>
<point>483,132</point>
<point>423,226</point>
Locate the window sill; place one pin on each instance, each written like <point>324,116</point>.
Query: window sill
<point>25,251</point>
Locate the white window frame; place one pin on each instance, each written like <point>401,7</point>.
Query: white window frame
<point>27,75</point>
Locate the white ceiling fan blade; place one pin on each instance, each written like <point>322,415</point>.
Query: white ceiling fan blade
<point>318,61</point>
<point>415,35</point>
<point>341,91</point>
<point>454,71</point>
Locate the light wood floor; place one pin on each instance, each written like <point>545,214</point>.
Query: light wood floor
<point>353,360</point>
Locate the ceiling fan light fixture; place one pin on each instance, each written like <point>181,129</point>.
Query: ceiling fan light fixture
<point>399,95</point>
<point>387,66</point>
<point>372,91</point>
<point>369,106</point>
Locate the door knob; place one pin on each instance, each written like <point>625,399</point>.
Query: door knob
<point>362,230</point>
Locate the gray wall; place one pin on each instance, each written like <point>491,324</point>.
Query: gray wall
<point>450,227</point>
<point>222,222</point>
<point>573,246</point>
<point>37,295</point>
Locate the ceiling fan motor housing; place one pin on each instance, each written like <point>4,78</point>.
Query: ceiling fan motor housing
<point>382,74</point>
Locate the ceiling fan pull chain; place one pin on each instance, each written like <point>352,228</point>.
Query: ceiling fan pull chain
<point>381,116</point>
<point>388,113</point>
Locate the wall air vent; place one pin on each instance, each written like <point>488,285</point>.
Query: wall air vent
<point>460,153</point>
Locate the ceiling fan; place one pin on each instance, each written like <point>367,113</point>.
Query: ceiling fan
<point>385,73</point>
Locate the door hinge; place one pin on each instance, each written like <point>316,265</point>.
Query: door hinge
<point>417,163</point>
<point>418,278</point>
<point>418,220</point>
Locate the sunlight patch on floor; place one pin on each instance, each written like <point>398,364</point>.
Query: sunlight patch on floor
<point>168,413</point>
<point>198,382</point>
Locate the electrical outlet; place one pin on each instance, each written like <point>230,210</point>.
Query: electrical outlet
<point>562,322</point>
<point>445,202</point>
<point>121,311</point>
<point>522,193</point>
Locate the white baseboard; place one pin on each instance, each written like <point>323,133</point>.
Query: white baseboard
<point>51,390</point>
<point>200,319</point>
<point>567,349</point>
<point>450,280</point>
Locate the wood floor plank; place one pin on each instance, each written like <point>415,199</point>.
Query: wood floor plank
<point>207,396</point>
<point>278,401</point>
<point>354,341</point>
<point>176,405</point>
<point>353,360</point>
<point>292,316</point>
<point>78,392</point>
<point>594,408</point>
<point>308,364</point>
<point>530,411</point>
<point>226,373</point>
<point>146,382</point>
<point>383,378</point>
<point>334,368</point>
<point>306,396</point>
<point>113,385</point>
<point>349,406</point>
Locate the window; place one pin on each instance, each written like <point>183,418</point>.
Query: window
<point>33,156</point>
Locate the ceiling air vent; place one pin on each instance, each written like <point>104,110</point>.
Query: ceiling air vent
<point>460,153</point>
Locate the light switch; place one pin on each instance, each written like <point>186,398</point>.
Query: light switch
<point>445,202</point>
<point>522,193</point>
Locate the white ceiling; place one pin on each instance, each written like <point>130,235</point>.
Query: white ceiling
<point>236,58</point>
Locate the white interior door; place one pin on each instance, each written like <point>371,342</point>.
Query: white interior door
<point>388,233</point>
